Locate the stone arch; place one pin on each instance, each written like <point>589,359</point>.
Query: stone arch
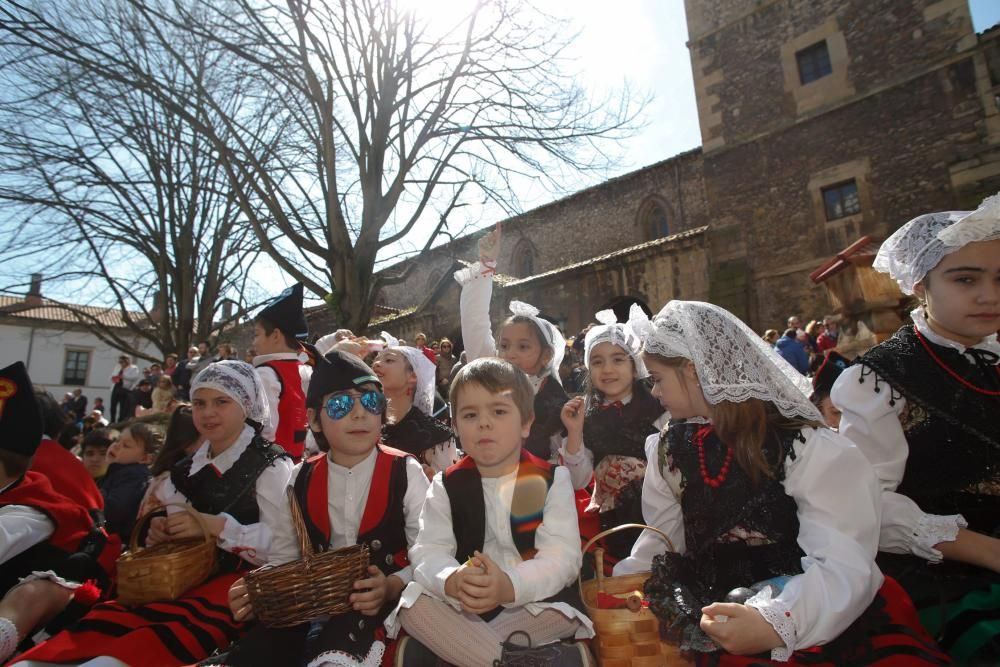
<point>654,218</point>
<point>523,259</point>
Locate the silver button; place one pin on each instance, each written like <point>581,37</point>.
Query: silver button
<point>376,545</point>
<point>361,624</point>
<point>390,560</point>
<point>350,635</point>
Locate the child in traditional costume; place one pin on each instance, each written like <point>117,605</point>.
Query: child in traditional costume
<point>282,363</point>
<point>774,517</point>
<point>237,481</point>
<point>924,407</point>
<point>357,492</point>
<point>531,343</point>
<point>607,429</point>
<point>830,368</point>
<point>498,552</point>
<point>55,561</point>
<point>407,377</point>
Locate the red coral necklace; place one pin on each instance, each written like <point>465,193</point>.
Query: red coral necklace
<point>699,440</point>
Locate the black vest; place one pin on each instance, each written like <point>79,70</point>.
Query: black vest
<point>234,492</point>
<point>549,402</point>
<point>415,433</point>
<point>953,432</point>
<point>610,430</point>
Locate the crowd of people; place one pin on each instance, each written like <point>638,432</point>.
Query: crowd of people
<point>819,510</point>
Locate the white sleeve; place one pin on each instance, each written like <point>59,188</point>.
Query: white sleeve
<point>477,290</point>
<point>305,374</point>
<point>284,541</point>
<point>433,555</point>
<point>871,423</point>
<point>579,465</point>
<point>557,562</point>
<point>272,389</point>
<point>22,527</point>
<point>838,532</point>
<point>661,508</point>
<point>413,502</point>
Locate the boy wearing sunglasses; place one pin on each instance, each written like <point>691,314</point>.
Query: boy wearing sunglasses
<point>356,492</point>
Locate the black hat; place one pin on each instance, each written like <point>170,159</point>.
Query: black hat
<point>21,426</point>
<point>285,312</point>
<point>338,371</point>
<point>833,365</point>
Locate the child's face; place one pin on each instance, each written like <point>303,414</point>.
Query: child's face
<point>611,371</point>
<point>217,416</point>
<point>266,343</point>
<point>354,435</point>
<point>490,428</point>
<point>520,346</point>
<point>390,369</point>
<point>830,412</point>
<point>678,393</point>
<point>95,461</point>
<point>126,449</point>
<point>963,293</point>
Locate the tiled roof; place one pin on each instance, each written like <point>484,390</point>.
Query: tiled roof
<point>617,253</point>
<point>52,311</point>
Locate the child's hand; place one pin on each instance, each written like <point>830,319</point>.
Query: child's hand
<point>481,592</point>
<point>181,525</point>
<point>489,245</point>
<point>572,415</point>
<point>157,531</point>
<point>743,632</point>
<point>239,601</point>
<point>371,592</point>
<point>453,585</point>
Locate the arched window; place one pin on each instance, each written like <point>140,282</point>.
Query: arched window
<point>654,218</point>
<point>523,259</point>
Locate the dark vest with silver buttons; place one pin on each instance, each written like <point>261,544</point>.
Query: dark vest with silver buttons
<point>383,523</point>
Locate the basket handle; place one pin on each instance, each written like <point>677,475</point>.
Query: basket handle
<point>141,524</point>
<point>299,523</point>
<point>599,570</point>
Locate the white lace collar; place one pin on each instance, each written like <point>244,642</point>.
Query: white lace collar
<point>226,459</point>
<point>989,343</point>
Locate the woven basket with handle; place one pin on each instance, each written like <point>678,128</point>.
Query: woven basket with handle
<point>306,589</point>
<point>167,570</point>
<point>628,637</point>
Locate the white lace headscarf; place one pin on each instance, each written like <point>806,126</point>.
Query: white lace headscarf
<point>423,368</point>
<point>732,362</point>
<point>920,245</point>
<point>616,333</point>
<point>553,337</point>
<point>239,381</point>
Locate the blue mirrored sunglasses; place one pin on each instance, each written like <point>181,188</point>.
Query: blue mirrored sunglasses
<point>339,406</point>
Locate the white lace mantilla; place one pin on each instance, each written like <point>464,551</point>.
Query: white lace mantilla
<point>932,530</point>
<point>341,659</point>
<point>779,617</point>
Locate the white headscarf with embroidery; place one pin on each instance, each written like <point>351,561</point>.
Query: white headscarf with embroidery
<point>553,337</point>
<point>239,381</point>
<point>423,368</point>
<point>610,330</point>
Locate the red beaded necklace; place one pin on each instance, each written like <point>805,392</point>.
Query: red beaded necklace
<point>947,368</point>
<point>699,440</point>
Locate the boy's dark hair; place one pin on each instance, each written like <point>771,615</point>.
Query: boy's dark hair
<point>53,418</point>
<point>102,437</point>
<point>14,464</point>
<point>150,437</point>
<point>180,434</point>
<point>496,375</point>
<point>790,333</point>
<point>535,330</point>
<point>268,326</point>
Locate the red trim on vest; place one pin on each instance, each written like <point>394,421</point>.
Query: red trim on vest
<point>316,495</point>
<point>292,420</point>
<point>71,522</point>
<point>378,492</point>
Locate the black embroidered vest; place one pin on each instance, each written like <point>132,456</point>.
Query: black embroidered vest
<point>549,402</point>
<point>234,492</point>
<point>383,522</point>
<point>610,430</point>
<point>953,432</point>
<point>415,433</point>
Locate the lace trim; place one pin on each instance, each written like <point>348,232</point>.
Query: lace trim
<point>8,638</point>
<point>342,659</point>
<point>934,529</point>
<point>779,616</point>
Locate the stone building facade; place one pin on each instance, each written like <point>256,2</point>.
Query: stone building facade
<point>821,121</point>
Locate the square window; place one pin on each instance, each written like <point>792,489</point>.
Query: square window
<point>841,200</point>
<point>814,62</point>
<point>75,367</point>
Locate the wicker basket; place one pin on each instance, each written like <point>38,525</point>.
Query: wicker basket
<point>303,590</point>
<point>167,570</point>
<point>627,637</point>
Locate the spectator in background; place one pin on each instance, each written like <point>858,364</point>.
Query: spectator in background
<point>94,453</point>
<point>98,417</point>
<point>67,403</point>
<point>99,405</point>
<point>249,355</point>
<point>155,371</point>
<point>828,339</point>
<point>163,393</point>
<point>445,361</point>
<point>770,337</point>
<point>794,322</point>
<point>205,358</point>
<point>420,342</point>
<point>170,365</point>
<point>793,351</point>
<point>79,403</point>
<point>142,396</point>
<point>227,352</point>
<point>123,380</point>
<point>182,376</point>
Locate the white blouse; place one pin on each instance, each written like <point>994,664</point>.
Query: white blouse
<point>838,510</point>
<point>250,542</point>
<point>554,567</point>
<point>347,495</point>
<point>874,426</point>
